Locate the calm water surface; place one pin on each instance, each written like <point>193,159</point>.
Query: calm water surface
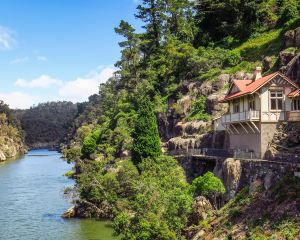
<point>32,201</point>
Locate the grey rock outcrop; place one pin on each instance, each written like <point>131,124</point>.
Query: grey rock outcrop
<point>202,208</point>
<point>229,171</point>
<point>292,38</point>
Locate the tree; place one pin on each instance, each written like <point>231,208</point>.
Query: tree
<point>130,54</point>
<point>218,19</point>
<point>146,141</point>
<point>209,186</point>
<point>151,13</point>
<point>88,147</point>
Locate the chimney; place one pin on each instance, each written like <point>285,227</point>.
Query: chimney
<point>257,74</point>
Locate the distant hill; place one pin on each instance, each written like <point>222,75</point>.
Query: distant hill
<point>47,124</point>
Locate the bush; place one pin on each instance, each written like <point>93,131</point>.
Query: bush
<point>209,186</point>
<point>146,141</point>
<point>198,110</point>
<point>89,146</point>
<point>161,203</point>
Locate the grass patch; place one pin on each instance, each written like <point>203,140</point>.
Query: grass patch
<point>268,43</point>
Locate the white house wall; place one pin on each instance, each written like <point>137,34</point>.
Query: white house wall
<point>288,101</point>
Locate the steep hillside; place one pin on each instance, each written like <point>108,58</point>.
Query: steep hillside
<point>181,65</point>
<point>256,213</point>
<point>11,135</point>
<point>47,125</point>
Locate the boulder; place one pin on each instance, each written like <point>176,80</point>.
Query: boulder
<point>269,180</point>
<point>125,154</point>
<point>240,75</point>
<point>185,103</point>
<point>255,186</point>
<point>201,210</point>
<point>267,63</point>
<point>286,56</point>
<point>190,128</point>
<point>2,156</point>
<point>85,209</point>
<point>213,105</point>
<point>221,82</point>
<point>190,142</point>
<point>229,172</point>
<point>206,88</point>
<point>297,37</point>
<point>70,213</point>
<point>289,39</point>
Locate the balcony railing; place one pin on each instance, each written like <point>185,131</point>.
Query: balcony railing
<point>241,116</point>
<point>293,116</point>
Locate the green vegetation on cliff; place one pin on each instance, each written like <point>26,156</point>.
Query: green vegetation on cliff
<point>182,42</point>
<point>11,135</point>
<point>259,214</point>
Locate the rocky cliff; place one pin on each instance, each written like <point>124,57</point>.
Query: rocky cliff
<point>11,140</point>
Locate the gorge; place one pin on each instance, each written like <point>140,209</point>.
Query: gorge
<point>157,152</point>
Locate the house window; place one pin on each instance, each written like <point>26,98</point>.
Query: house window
<point>236,106</point>
<point>276,99</point>
<point>251,104</point>
<point>296,104</point>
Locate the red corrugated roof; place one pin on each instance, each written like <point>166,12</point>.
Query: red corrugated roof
<point>249,86</point>
<point>294,93</point>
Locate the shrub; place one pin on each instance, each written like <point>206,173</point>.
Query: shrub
<point>198,110</point>
<point>146,141</point>
<point>89,146</point>
<point>209,186</point>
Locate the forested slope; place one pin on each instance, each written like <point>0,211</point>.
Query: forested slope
<point>47,125</point>
<point>180,65</point>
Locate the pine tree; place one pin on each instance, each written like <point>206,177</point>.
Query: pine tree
<point>130,55</point>
<point>146,141</point>
<point>151,13</point>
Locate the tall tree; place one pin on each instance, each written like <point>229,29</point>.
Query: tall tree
<point>130,53</point>
<point>217,19</point>
<point>179,19</point>
<point>151,12</point>
<point>146,141</point>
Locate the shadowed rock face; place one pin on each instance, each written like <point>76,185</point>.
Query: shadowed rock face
<point>229,171</point>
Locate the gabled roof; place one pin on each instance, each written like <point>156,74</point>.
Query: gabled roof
<point>249,87</point>
<point>294,93</point>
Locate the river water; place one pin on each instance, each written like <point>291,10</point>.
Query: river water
<point>32,201</point>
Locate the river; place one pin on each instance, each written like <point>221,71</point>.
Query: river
<point>32,201</point>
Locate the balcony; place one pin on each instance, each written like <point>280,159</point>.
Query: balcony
<point>241,117</point>
<point>293,116</point>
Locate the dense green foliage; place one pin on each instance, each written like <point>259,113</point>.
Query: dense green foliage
<point>209,186</point>
<point>182,42</point>
<point>47,123</point>
<point>146,142</point>
<point>198,111</point>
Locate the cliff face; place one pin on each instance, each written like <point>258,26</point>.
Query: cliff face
<point>11,140</point>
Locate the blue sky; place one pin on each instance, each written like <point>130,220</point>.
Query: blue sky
<point>58,49</point>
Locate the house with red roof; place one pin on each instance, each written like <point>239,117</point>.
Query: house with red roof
<point>256,107</point>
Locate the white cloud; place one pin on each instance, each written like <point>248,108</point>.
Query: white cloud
<point>42,58</point>
<point>81,88</point>
<point>44,81</point>
<point>19,60</point>
<point>7,40</point>
<point>18,100</point>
